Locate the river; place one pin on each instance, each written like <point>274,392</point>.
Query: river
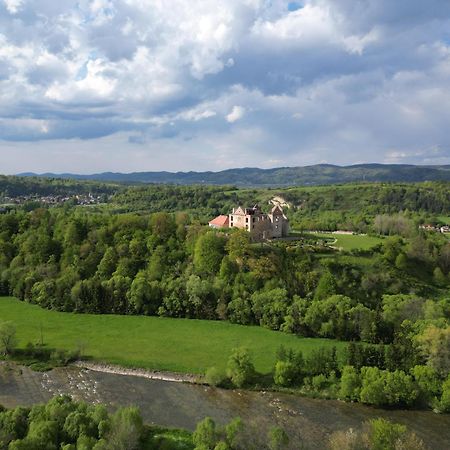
<point>307,421</point>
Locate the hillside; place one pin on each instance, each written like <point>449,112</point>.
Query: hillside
<point>282,176</point>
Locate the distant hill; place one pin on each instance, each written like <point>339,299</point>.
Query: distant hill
<point>281,176</point>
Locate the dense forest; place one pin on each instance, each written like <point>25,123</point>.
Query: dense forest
<point>281,176</point>
<point>349,207</point>
<point>12,186</point>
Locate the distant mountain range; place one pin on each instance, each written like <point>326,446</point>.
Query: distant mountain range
<point>281,176</point>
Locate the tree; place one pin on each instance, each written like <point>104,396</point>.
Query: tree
<point>434,343</point>
<point>126,429</point>
<point>350,384</point>
<point>240,368</point>
<point>270,307</point>
<point>372,386</point>
<point>215,376</point>
<point>428,381</point>
<point>205,435</point>
<point>278,439</point>
<point>208,253</point>
<point>238,246</point>
<point>327,286</point>
<point>7,337</point>
<point>285,373</point>
<point>445,399</point>
<point>439,278</point>
<point>385,435</point>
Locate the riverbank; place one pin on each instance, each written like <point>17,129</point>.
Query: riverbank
<point>309,422</point>
<point>136,372</point>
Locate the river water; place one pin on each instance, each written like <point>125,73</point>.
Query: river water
<point>309,422</point>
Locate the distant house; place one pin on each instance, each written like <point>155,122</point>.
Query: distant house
<point>260,225</point>
<point>428,227</point>
<point>219,222</point>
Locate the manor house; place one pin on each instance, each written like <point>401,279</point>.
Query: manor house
<point>260,225</point>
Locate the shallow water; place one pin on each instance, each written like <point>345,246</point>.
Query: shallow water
<point>308,421</point>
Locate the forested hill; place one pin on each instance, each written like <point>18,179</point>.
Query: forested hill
<point>282,176</point>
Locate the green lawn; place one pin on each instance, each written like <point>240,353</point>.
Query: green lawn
<point>179,345</point>
<point>351,241</point>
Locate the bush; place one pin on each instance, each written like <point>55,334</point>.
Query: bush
<point>240,367</point>
<point>215,376</point>
<point>285,373</point>
<point>319,382</point>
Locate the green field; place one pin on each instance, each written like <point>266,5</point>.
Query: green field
<point>351,241</point>
<point>179,345</point>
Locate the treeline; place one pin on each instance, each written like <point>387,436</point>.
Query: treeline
<point>67,424</point>
<point>392,375</point>
<point>13,186</point>
<point>349,207</point>
<point>164,265</point>
<point>201,202</point>
<point>63,423</point>
<point>354,207</point>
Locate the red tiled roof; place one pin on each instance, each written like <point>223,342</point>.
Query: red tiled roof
<point>220,221</point>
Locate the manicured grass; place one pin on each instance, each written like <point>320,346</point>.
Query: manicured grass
<point>179,345</point>
<point>351,241</point>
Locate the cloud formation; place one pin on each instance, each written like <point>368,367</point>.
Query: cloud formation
<point>149,84</point>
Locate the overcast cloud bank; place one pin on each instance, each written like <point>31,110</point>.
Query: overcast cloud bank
<point>127,85</point>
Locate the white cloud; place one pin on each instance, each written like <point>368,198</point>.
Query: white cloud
<point>236,114</point>
<point>13,6</point>
<point>336,81</point>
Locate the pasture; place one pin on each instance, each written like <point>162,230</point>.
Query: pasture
<point>157,343</point>
<point>350,241</point>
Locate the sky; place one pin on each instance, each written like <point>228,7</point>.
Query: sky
<point>149,85</point>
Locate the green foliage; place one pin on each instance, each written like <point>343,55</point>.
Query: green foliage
<point>208,253</point>
<point>64,423</point>
<point>139,341</point>
<point>350,384</point>
<point>445,399</point>
<point>385,435</point>
<point>215,376</point>
<point>285,373</point>
<point>8,339</point>
<point>278,439</point>
<point>240,367</point>
<point>205,435</point>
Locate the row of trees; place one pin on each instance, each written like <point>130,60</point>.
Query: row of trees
<point>358,375</point>
<point>67,424</point>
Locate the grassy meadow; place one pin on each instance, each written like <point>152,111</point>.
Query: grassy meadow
<point>179,345</point>
<point>351,241</point>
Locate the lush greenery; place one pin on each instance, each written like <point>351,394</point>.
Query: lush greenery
<point>377,434</point>
<point>13,186</point>
<point>156,343</point>
<point>392,375</point>
<point>387,290</point>
<point>66,424</point>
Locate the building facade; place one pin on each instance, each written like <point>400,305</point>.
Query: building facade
<point>260,225</point>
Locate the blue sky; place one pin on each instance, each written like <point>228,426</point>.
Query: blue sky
<point>137,85</point>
